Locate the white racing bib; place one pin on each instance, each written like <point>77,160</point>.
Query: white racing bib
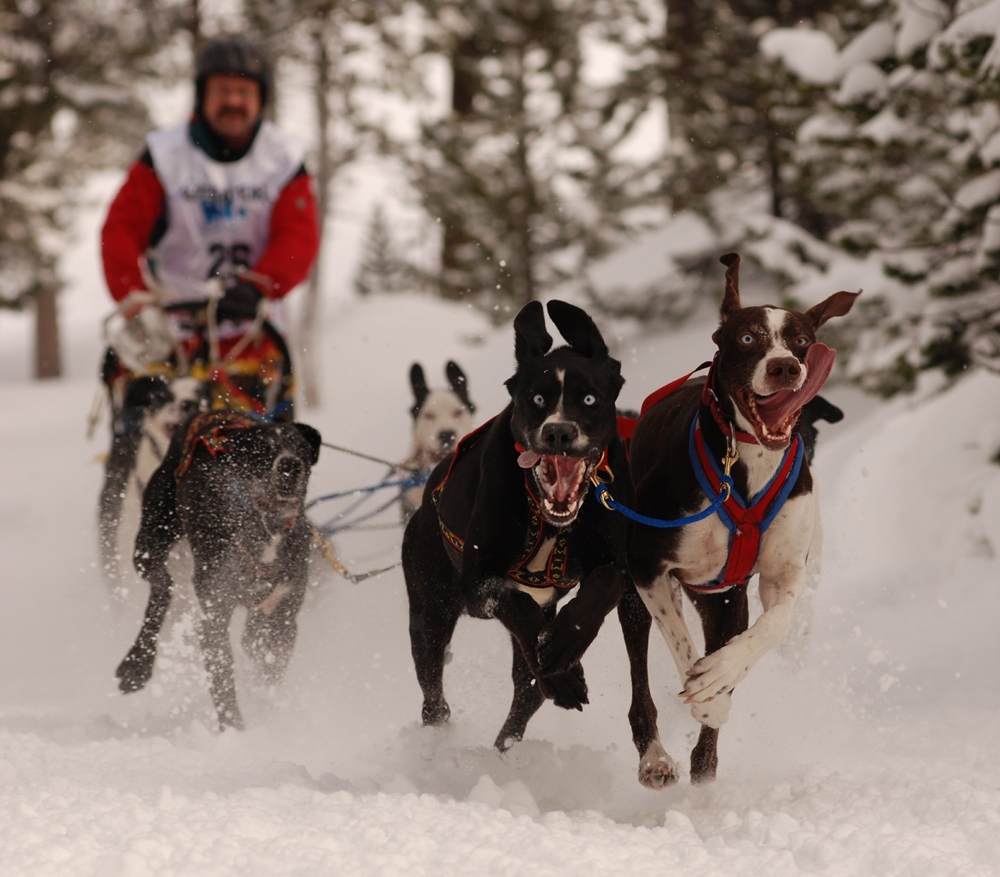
<point>218,213</point>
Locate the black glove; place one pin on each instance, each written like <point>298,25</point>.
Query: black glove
<point>239,302</point>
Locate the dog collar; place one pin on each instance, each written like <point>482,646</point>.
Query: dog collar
<point>710,399</point>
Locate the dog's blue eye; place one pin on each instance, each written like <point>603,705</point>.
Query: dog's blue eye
<point>590,399</point>
<point>539,400</point>
<point>746,338</point>
<point>802,341</point>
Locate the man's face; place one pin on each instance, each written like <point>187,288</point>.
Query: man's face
<point>231,107</point>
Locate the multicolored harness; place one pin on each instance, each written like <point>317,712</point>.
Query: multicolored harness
<point>555,573</point>
<point>746,523</point>
<point>211,429</point>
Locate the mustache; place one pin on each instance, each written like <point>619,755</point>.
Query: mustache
<point>233,111</point>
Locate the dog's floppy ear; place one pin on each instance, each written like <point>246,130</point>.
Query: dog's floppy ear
<point>578,329</point>
<point>836,305</point>
<point>531,338</point>
<point>313,439</point>
<point>459,384</point>
<point>419,384</point>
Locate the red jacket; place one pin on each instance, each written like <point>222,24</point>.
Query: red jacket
<point>137,216</point>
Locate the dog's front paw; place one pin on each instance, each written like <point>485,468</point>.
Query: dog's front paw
<point>561,644</point>
<point>717,673</point>
<point>135,671</point>
<point>567,690</point>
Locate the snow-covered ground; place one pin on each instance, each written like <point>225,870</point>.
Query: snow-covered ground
<point>868,745</point>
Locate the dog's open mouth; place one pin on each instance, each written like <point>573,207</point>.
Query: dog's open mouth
<point>562,482</point>
<point>774,416</point>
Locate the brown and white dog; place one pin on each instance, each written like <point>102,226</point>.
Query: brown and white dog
<point>440,418</point>
<point>768,366</point>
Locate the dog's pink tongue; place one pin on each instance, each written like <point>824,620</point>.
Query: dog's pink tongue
<point>527,459</point>
<point>819,363</point>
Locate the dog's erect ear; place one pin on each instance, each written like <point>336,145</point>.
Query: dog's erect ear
<point>531,338</point>
<point>731,297</point>
<point>459,384</point>
<point>419,384</point>
<point>580,332</point>
<point>313,439</point>
<point>836,305</point>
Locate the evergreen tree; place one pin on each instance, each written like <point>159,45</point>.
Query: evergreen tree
<point>381,268</point>
<point>523,173</point>
<point>905,154</point>
<point>68,72</point>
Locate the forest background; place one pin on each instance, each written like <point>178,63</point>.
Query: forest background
<point>529,140</point>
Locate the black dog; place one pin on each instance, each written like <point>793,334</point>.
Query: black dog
<point>234,485</point>
<point>508,523</point>
<point>745,416</point>
<point>152,410</point>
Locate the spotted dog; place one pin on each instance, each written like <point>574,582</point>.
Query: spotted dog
<point>234,484</point>
<point>440,418</point>
<point>509,524</point>
<point>744,415</point>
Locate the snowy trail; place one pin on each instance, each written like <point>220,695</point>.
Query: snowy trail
<point>870,745</point>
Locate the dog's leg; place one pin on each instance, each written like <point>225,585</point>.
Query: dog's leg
<point>218,574</point>
<point>271,627</point>
<point>525,620</point>
<point>782,565</point>
<point>435,605</point>
<point>566,637</point>
<point>657,769</point>
<point>159,530</point>
<point>120,463</point>
<point>723,616</point>
<point>528,697</point>
<point>213,635</point>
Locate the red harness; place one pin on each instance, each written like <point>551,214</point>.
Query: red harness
<point>210,429</point>
<point>746,523</point>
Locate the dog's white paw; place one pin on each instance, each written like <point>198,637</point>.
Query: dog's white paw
<point>718,673</point>
<point>657,770</point>
<point>715,712</point>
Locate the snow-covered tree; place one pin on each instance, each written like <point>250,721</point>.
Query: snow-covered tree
<point>520,159</point>
<point>68,75</point>
<point>904,155</point>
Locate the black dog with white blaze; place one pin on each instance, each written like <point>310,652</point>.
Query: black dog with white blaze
<point>234,485</point>
<point>509,523</point>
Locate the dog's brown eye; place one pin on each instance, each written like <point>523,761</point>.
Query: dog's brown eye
<point>539,400</point>
<point>590,399</point>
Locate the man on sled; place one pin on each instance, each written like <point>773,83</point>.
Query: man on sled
<point>216,222</point>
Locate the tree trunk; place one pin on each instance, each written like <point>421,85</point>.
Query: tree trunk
<point>48,360</point>
<point>307,345</point>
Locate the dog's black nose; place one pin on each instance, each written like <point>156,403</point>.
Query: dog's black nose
<point>784,368</point>
<point>558,436</point>
<point>289,468</point>
<point>446,438</point>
